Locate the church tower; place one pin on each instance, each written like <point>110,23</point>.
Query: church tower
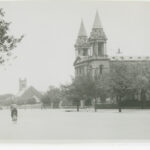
<point>22,84</point>
<point>98,38</point>
<point>91,55</point>
<point>81,45</point>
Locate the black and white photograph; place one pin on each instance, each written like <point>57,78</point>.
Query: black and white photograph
<point>74,71</point>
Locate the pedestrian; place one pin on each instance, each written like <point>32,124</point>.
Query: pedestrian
<point>14,112</point>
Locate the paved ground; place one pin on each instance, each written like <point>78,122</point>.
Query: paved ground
<point>61,125</point>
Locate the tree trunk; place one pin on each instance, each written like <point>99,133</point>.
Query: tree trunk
<point>119,103</point>
<point>60,104</point>
<point>77,107</point>
<point>143,98</point>
<point>120,110</point>
<point>81,103</point>
<point>95,108</point>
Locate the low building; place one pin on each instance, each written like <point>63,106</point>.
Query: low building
<point>27,95</point>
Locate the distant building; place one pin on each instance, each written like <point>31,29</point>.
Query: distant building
<point>6,99</point>
<point>22,84</point>
<point>27,95</point>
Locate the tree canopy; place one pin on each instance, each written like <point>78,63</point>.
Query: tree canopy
<point>7,42</point>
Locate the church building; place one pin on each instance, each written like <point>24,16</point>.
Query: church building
<point>91,52</point>
<point>27,94</point>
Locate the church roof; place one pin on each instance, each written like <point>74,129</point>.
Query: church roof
<point>129,58</point>
<point>29,93</point>
<point>82,31</point>
<point>97,22</point>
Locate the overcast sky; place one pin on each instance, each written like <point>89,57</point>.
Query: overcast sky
<point>46,54</point>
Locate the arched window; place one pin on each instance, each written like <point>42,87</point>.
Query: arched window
<point>89,70</point>
<point>100,49</point>
<point>101,67</point>
<point>85,51</point>
<point>96,73</point>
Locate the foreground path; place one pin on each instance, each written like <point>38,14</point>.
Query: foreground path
<point>61,125</point>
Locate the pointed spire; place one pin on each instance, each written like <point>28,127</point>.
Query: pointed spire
<point>82,31</point>
<point>97,22</point>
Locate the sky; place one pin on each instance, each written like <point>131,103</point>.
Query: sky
<point>46,54</point>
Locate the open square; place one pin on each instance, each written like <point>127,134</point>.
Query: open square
<point>83,125</point>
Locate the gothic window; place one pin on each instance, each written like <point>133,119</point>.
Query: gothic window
<point>90,69</point>
<point>90,51</point>
<point>94,49</point>
<point>101,67</point>
<point>100,49</point>
<point>83,70</point>
<point>96,73</point>
<point>76,71</point>
<point>85,51</point>
<point>79,70</point>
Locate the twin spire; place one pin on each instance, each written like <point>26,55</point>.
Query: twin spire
<point>97,24</point>
<point>82,31</point>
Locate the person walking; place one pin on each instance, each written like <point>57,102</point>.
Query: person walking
<point>14,112</point>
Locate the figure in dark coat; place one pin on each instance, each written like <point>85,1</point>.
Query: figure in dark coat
<point>14,112</point>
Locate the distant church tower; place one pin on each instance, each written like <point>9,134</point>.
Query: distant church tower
<point>22,84</point>
<point>91,55</point>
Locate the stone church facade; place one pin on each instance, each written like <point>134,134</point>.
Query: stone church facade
<point>91,52</point>
<point>91,55</point>
<point>92,58</point>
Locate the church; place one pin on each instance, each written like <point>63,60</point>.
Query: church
<point>27,94</point>
<point>92,59</point>
<point>91,52</point>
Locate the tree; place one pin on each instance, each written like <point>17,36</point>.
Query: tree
<point>72,93</point>
<point>87,87</point>
<point>52,97</point>
<point>131,78</point>
<point>142,85</point>
<point>141,81</point>
<point>120,81</point>
<point>45,100</point>
<point>102,87</point>
<point>7,42</point>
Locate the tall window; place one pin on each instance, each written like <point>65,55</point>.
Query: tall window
<point>83,70</point>
<point>85,51</point>
<point>96,72</point>
<point>100,49</point>
<point>94,49</point>
<point>90,70</point>
<point>101,67</point>
<point>79,70</point>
